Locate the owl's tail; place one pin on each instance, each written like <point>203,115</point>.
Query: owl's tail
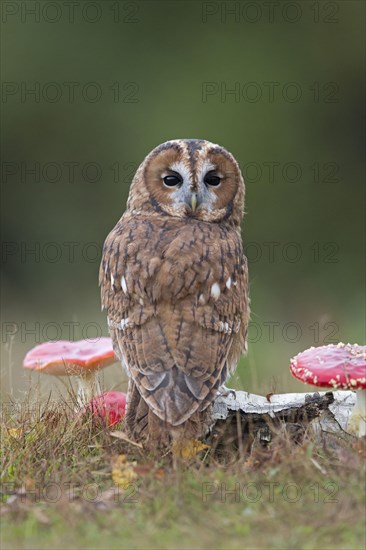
<point>147,428</point>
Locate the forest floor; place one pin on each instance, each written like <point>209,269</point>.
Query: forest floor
<point>67,483</point>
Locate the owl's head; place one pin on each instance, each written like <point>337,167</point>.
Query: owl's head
<point>189,178</point>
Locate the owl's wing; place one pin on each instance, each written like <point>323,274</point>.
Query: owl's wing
<point>177,309</point>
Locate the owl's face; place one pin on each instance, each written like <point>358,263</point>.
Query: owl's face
<point>189,178</point>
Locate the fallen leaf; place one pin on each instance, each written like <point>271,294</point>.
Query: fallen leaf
<point>123,473</point>
<point>188,448</point>
<point>16,433</point>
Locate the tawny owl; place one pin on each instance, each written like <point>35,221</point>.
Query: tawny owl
<point>174,283</point>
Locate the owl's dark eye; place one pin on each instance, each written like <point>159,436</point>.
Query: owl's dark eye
<point>172,180</point>
<point>212,180</point>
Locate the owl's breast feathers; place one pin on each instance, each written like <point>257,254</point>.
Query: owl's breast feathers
<point>176,294</point>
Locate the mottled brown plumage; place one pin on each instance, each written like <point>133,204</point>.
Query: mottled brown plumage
<point>174,282</point>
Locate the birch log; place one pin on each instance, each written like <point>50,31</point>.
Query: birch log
<point>245,417</point>
<point>250,403</point>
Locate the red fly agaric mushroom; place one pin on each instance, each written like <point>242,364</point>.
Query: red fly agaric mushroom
<point>111,406</point>
<point>82,359</point>
<point>339,366</point>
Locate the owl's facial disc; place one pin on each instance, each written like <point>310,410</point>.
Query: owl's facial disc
<point>193,181</point>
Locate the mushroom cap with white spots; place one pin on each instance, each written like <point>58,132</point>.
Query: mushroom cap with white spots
<point>64,358</point>
<point>338,366</point>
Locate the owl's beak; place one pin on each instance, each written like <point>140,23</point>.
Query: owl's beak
<point>194,201</point>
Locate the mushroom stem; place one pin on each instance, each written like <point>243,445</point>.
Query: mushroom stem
<point>88,387</point>
<point>357,420</point>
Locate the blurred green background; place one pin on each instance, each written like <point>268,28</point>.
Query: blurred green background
<point>110,81</point>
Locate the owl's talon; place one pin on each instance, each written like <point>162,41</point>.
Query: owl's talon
<point>225,392</point>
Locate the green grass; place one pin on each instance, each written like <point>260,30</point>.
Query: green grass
<point>58,492</point>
